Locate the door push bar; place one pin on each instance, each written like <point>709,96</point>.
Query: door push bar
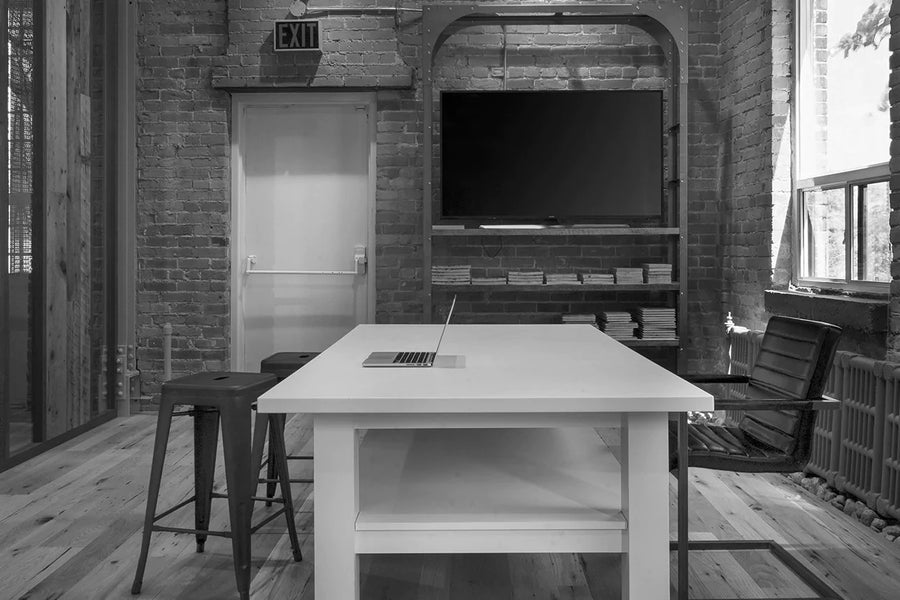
<point>359,259</point>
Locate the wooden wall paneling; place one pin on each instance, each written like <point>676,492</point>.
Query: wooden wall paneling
<point>55,266</point>
<point>78,210</point>
<point>4,242</point>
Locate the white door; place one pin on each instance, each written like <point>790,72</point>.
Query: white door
<point>303,222</point>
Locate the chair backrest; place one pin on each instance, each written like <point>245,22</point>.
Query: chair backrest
<point>794,359</point>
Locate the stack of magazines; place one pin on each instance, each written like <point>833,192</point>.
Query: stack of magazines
<point>656,323</point>
<point>562,278</point>
<point>617,324</point>
<point>451,275</point>
<point>657,273</point>
<point>595,278</point>
<point>629,275</point>
<point>525,277</point>
<point>579,319</point>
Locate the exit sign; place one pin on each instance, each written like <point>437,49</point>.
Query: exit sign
<point>296,35</point>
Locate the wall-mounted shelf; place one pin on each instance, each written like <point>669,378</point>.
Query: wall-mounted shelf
<point>673,343</point>
<point>667,23</point>
<point>593,231</point>
<point>567,287</point>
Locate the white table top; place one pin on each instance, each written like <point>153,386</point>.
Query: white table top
<point>507,369</point>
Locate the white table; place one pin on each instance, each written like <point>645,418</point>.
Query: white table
<point>493,453</point>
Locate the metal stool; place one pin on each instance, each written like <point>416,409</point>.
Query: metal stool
<point>230,397</point>
<point>282,364</point>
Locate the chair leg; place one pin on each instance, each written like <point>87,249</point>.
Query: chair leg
<point>239,477</point>
<point>276,441</point>
<point>206,438</point>
<point>682,506</point>
<point>163,422</point>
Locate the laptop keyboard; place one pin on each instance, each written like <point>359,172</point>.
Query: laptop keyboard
<point>413,358</point>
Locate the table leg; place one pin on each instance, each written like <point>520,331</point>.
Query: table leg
<point>240,479</point>
<point>645,503</point>
<point>336,506</point>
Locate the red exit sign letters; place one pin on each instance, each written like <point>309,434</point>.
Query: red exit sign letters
<point>296,35</point>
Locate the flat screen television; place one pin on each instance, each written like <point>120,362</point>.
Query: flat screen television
<point>551,157</point>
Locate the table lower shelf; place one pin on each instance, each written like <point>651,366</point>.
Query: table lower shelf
<point>488,490</point>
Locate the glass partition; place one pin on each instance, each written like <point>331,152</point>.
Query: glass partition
<point>56,292</point>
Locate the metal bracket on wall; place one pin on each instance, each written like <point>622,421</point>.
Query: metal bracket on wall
<point>127,378</point>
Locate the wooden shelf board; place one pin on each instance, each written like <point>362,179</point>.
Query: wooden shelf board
<point>476,480</point>
<point>587,287</point>
<point>595,231</point>
<point>651,343</point>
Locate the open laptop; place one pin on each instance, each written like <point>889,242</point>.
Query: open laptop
<point>407,358</point>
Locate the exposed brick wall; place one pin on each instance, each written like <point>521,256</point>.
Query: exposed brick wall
<point>398,208</point>
<point>183,181</point>
<point>755,95</point>
<point>705,343</point>
<point>188,50</point>
<point>358,50</point>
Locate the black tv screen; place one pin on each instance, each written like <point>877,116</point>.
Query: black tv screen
<point>585,156</point>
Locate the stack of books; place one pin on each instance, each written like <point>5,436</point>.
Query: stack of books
<point>451,275</point>
<point>562,278</point>
<point>489,281</point>
<point>617,324</point>
<point>629,275</point>
<point>656,323</point>
<point>595,278</point>
<point>579,319</point>
<point>657,273</point>
<point>525,278</point>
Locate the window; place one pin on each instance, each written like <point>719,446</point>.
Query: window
<point>842,145</point>
<point>19,135</point>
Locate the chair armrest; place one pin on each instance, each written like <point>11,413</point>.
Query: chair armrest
<point>823,403</point>
<point>715,378</point>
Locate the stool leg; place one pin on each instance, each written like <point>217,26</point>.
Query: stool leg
<point>271,471</point>
<point>259,439</point>
<point>163,421</point>
<point>275,420</point>
<point>240,477</point>
<point>206,437</point>
<point>276,440</point>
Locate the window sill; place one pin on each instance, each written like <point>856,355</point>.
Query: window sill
<point>864,315</point>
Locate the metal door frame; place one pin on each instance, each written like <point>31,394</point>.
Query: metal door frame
<point>239,105</point>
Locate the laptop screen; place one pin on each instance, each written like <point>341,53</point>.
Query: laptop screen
<point>447,322</point>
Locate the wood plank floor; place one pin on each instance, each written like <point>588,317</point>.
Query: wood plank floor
<point>70,529</point>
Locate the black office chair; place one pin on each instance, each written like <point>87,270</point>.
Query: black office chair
<point>784,389</point>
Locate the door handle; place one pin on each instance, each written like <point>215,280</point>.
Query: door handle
<point>360,259</point>
<point>360,262</point>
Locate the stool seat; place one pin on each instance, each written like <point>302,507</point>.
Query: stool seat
<point>208,387</point>
<point>282,364</point>
<point>225,398</point>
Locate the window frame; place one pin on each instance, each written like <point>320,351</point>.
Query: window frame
<point>849,180</point>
